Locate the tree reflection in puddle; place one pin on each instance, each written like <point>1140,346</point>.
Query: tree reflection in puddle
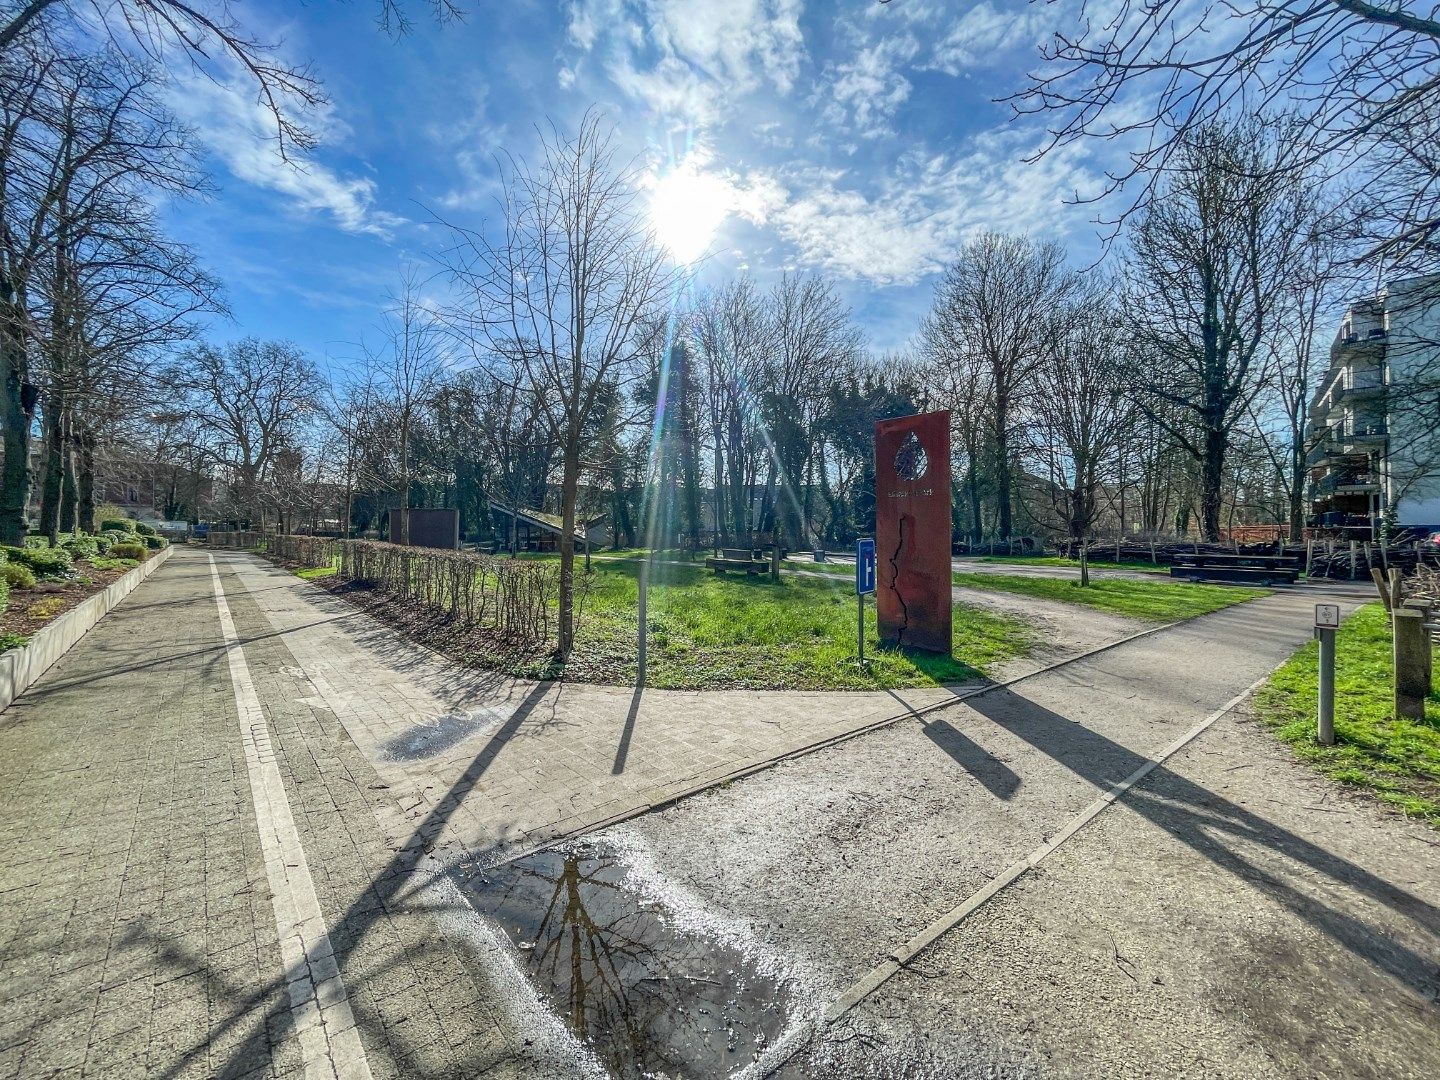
<point>649,996</point>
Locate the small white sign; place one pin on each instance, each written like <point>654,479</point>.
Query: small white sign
<point>1327,615</point>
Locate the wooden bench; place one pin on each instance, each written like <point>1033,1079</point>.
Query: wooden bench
<point>1285,562</point>
<point>740,559</point>
<point>1245,575</point>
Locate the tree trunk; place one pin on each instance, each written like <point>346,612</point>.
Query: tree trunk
<point>53,470</point>
<point>1212,475</point>
<point>1002,469</point>
<point>722,526</point>
<point>67,486</point>
<point>85,481</point>
<point>16,414</point>
<point>1297,492</point>
<point>977,510</point>
<point>569,490</point>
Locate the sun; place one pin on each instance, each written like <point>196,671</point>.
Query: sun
<point>687,208</point>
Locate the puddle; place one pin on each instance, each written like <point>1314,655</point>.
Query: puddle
<point>650,995</point>
<point>433,737</point>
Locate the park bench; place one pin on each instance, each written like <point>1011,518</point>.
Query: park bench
<point>742,559</point>
<point>1240,569</point>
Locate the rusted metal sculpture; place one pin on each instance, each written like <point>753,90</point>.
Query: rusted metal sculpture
<point>912,531</point>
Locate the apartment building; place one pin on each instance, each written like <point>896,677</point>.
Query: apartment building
<point>1374,450</point>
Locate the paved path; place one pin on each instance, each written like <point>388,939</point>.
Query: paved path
<point>143,921</point>
<point>205,801</point>
<point>230,811</point>
<point>1233,915</point>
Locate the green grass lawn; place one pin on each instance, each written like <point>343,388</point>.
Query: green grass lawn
<point>310,573</point>
<point>1074,564</point>
<point>1397,761</point>
<point>708,632</point>
<point>1156,601</point>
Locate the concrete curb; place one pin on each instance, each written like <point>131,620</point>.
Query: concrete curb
<point>19,668</point>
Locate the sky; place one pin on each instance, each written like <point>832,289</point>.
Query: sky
<point>850,138</point>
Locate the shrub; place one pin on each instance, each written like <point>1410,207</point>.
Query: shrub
<point>130,549</point>
<point>108,511</point>
<point>10,640</point>
<point>145,530</point>
<point>154,543</point>
<point>81,546</point>
<point>103,542</point>
<point>117,525</point>
<point>45,562</point>
<point>47,608</point>
<point>17,576</point>
<point>104,562</point>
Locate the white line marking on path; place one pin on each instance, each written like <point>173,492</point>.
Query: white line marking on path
<point>898,958</point>
<point>319,1006</point>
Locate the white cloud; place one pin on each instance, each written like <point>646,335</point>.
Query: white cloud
<point>911,221</point>
<point>240,132</point>
<point>686,60</point>
<point>985,37</point>
<point>867,90</point>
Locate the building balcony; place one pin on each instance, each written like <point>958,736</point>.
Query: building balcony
<point>1340,483</point>
<point>1358,343</point>
<point>1332,443</point>
<point>1357,525</point>
<point>1357,382</point>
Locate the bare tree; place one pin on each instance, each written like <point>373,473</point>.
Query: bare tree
<point>812,336</point>
<point>408,367</point>
<point>732,336</point>
<point>113,288</point>
<point>1209,264</point>
<point>560,297</point>
<point>958,378</point>
<point>1319,274</point>
<point>998,299</point>
<point>251,399</point>
<point>1364,80</point>
<point>1083,410</point>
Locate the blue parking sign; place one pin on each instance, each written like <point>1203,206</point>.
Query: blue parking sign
<point>864,567</point>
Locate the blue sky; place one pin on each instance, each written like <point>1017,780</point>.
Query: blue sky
<point>850,138</point>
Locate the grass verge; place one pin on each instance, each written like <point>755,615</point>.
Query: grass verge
<point>709,631</point>
<point>1155,601</point>
<point>1396,761</point>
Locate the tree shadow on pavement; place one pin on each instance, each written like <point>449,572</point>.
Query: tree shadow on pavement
<point>1217,828</point>
<point>391,885</point>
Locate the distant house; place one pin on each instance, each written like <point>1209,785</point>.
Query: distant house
<point>536,530</point>
<point>147,488</point>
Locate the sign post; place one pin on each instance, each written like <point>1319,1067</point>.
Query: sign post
<point>864,583</point>
<point>1327,621</point>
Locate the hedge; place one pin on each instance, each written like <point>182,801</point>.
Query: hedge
<point>516,598</point>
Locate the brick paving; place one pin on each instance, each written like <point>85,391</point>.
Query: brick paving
<point>138,931</point>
